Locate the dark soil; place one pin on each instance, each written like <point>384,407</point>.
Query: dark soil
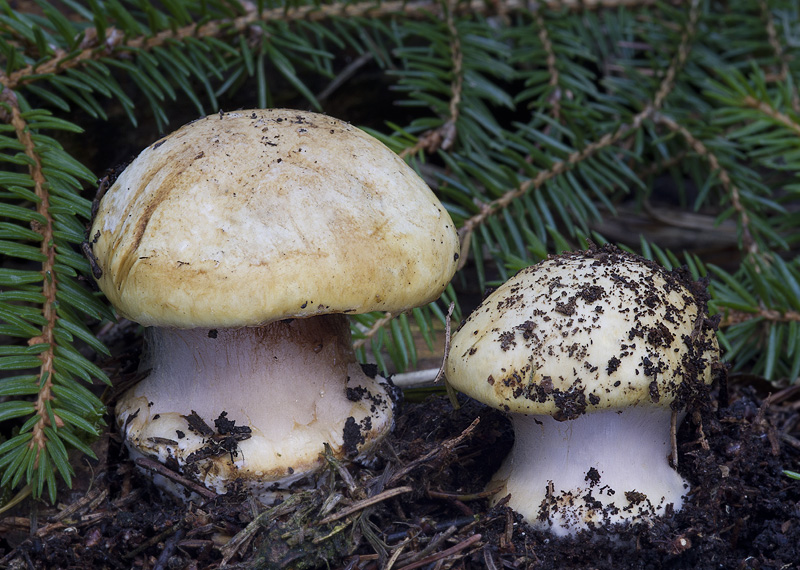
<point>422,506</point>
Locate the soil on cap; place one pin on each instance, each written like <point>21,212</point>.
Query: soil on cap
<point>651,285</point>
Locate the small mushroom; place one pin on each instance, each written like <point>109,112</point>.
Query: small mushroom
<point>242,241</point>
<point>589,353</point>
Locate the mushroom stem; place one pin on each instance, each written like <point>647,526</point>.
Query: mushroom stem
<point>603,467</point>
<point>295,383</point>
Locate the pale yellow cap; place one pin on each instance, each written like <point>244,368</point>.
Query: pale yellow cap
<point>585,331</point>
<point>244,218</point>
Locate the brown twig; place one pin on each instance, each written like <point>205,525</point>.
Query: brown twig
<point>451,392</point>
<point>373,330</point>
<point>343,76</point>
<point>788,393</point>
<point>385,320</point>
<point>772,113</point>
<point>157,467</point>
<point>167,532</point>
<point>368,502</point>
<point>488,559</point>
<point>697,417</point>
<point>446,447</point>
<point>24,524</point>
<point>91,498</point>
<point>169,548</point>
<point>673,438</point>
<point>230,549</point>
<point>462,496</point>
<point>396,554</point>
<point>544,37</point>
<point>444,553</point>
<point>760,423</point>
<point>445,135</point>
<point>440,374</point>
<point>431,547</point>
<point>780,53</point>
<point>734,317</point>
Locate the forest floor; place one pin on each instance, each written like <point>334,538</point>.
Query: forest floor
<point>422,505</point>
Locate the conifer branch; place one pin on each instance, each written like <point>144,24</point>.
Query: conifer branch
<point>772,113</point>
<point>116,43</point>
<point>458,78</point>
<point>49,284</point>
<point>780,53</point>
<point>680,57</point>
<point>732,190</point>
<point>489,209</point>
<point>544,37</point>
<point>444,136</point>
<point>735,317</point>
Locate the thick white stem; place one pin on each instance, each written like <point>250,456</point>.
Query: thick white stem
<point>603,467</point>
<point>295,384</point>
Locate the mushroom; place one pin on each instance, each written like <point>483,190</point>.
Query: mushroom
<point>590,353</point>
<point>241,242</point>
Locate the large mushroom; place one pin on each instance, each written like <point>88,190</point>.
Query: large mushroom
<point>242,241</point>
<point>590,353</point>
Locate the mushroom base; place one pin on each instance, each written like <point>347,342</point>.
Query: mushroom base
<point>256,404</point>
<point>604,467</point>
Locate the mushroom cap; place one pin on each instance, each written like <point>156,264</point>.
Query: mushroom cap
<point>243,218</point>
<point>585,331</point>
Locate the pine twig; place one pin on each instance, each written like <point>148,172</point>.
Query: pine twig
<point>368,502</point>
<point>373,330</point>
<point>780,53</point>
<point>772,113</point>
<point>444,136</point>
<point>157,467</point>
<point>733,317</point>
<point>49,283</point>
<point>449,134</point>
<point>444,553</point>
<point>116,43</point>
<point>544,37</point>
<point>668,83</point>
<point>446,447</point>
<point>488,209</point>
<point>725,179</point>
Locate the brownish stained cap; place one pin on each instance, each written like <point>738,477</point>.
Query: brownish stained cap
<point>244,218</point>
